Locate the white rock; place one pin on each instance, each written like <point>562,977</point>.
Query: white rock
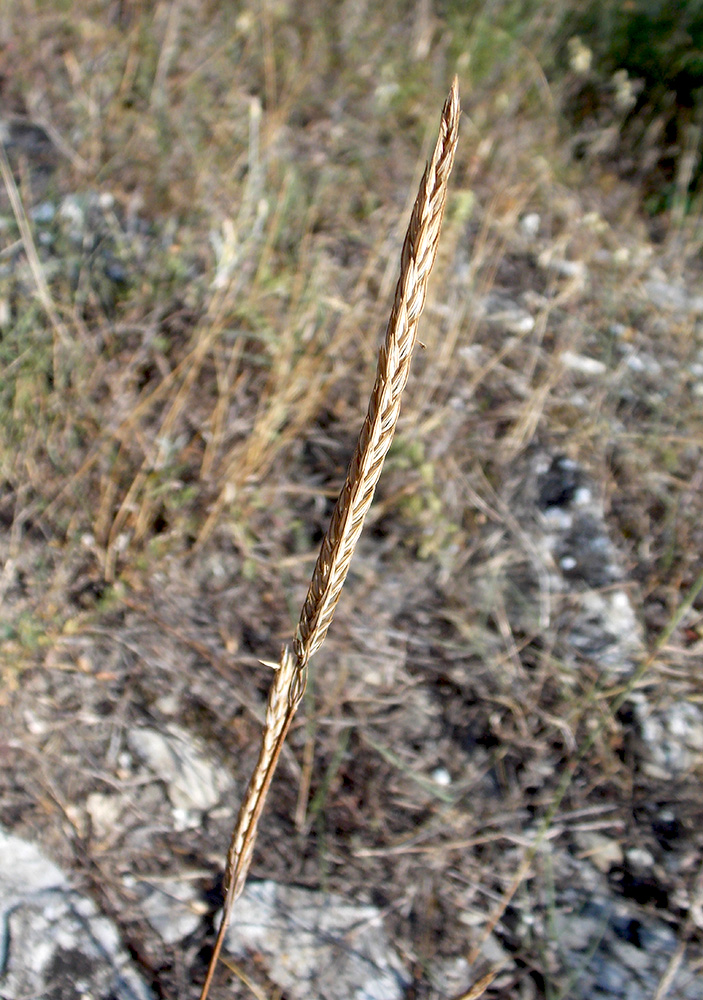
<point>441,776</point>
<point>672,298</point>
<point>530,224</point>
<point>673,735</point>
<point>25,870</point>
<point>583,364</point>
<point>48,932</point>
<point>104,811</point>
<point>173,908</point>
<point>194,782</point>
<point>499,308</point>
<point>317,944</point>
<point>639,858</point>
<point>567,268</point>
<point>601,851</point>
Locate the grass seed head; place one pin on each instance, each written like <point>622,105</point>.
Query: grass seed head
<point>288,686</point>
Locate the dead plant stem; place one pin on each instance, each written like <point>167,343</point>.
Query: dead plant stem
<point>417,257</point>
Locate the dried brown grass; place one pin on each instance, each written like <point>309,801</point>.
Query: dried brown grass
<point>417,257</point>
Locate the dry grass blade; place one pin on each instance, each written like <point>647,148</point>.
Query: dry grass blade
<point>60,329</point>
<point>417,258</point>
<point>479,988</point>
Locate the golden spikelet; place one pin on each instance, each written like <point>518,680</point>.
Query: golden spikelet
<point>417,258</point>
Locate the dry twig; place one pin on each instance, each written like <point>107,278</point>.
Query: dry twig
<point>417,258</point>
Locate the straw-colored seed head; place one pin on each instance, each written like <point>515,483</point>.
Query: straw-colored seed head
<point>288,687</point>
<point>417,258</point>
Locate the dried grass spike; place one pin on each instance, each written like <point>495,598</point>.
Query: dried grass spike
<point>417,257</point>
<point>418,254</point>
